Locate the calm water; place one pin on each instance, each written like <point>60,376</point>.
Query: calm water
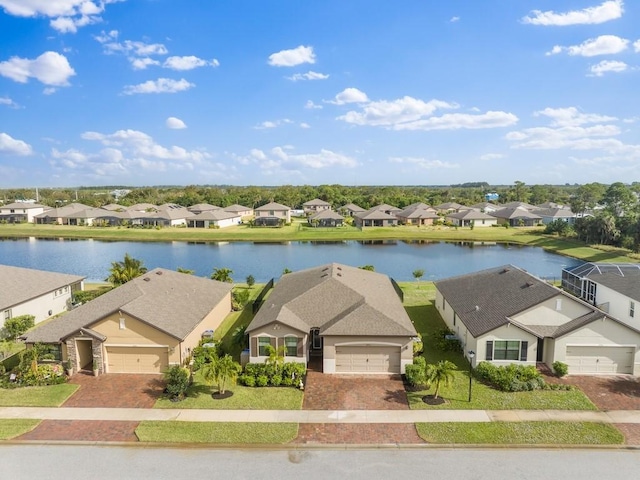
<point>92,258</point>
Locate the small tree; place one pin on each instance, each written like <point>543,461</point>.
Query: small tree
<point>418,274</point>
<point>285,271</point>
<point>16,326</point>
<point>221,371</point>
<point>122,272</point>
<point>185,270</point>
<point>250,281</point>
<point>222,275</point>
<point>442,373</point>
<point>275,357</point>
<point>369,268</point>
<point>239,299</point>
<point>239,336</point>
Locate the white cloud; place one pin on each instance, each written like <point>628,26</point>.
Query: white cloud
<point>8,102</point>
<point>491,156</point>
<point>188,63</point>
<point>11,146</point>
<point>349,95</point>
<point>609,10</point>
<point>305,125</point>
<point>395,112</point>
<point>602,45</point>
<point>161,85</point>
<point>293,57</point>
<point>456,121</point>
<point>571,116</point>
<point>636,46</point>
<point>142,63</point>
<point>310,75</point>
<point>175,123</point>
<point>49,90</point>
<point>280,158</point>
<point>312,106</point>
<point>454,19</point>
<point>50,68</point>
<point>423,163</point>
<point>272,124</point>
<point>607,66</point>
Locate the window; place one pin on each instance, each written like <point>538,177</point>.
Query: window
<point>271,213</point>
<point>632,309</point>
<point>558,304</point>
<point>507,350</point>
<point>51,351</point>
<point>7,314</point>
<point>263,342</point>
<point>291,346</point>
<point>122,324</point>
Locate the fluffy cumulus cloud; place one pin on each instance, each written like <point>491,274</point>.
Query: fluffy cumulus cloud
<point>605,12</point>
<point>422,163</point>
<point>310,75</point>
<point>266,125</point>
<point>66,15</point>
<point>291,58</point>
<point>12,146</point>
<point>636,46</point>
<point>8,102</point>
<point>349,95</point>
<point>607,66</point>
<point>571,116</point>
<point>175,123</point>
<point>188,62</point>
<point>408,113</point>
<point>161,85</point>
<point>602,45</point>
<point>50,68</point>
<point>283,159</point>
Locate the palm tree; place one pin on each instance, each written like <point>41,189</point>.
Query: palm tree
<point>221,371</point>
<point>441,374</point>
<point>222,275</point>
<point>121,272</point>
<point>185,270</point>
<point>275,357</point>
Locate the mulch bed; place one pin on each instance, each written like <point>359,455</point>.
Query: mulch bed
<point>222,396</point>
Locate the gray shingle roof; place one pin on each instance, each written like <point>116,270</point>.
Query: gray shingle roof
<point>325,214</point>
<point>272,206</point>
<point>172,302</point>
<point>337,299</point>
<point>17,285</point>
<point>471,215</point>
<point>512,213</point>
<point>316,202</point>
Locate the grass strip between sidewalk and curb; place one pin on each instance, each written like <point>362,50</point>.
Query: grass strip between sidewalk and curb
<point>521,433</point>
<point>49,396</point>
<point>216,433</point>
<point>14,427</point>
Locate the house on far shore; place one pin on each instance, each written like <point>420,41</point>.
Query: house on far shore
<point>244,212</point>
<point>272,214</point>
<point>316,205</point>
<point>24,291</point>
<point>450,207</point>
<point>486,207</point>
<point>506,315</point>
<point>475,218</point>
<point>344,318</point>
<point>350,210</point>
<point>374,217</point>
<point>516,217</point>
<point>202,207</point>
<point>548,215</point>
<point>20,212</point>
<point>143,326</point>
<point>325,218</point>
<point>418,214</point>
<point>214,219</point>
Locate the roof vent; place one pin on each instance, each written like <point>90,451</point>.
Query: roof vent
<point>159,272</point>
<point>504,270</point>
<point>146,279</point>
<point>477,308</point>
<point>339,274</point>
<point>324,275</point>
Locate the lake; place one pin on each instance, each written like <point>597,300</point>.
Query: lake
<point>398,259</point>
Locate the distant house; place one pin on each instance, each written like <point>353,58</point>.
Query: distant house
<point>214,218</point>
<point>374,218</point>
<point>272,214</point>
<point>143,326</point>
<point>614,288</point>
<point>548,215</point>
<point>386,208</point>
<point>516,217</point>
<point>114,207</point>
<point>203,207</point>
<point>143,207</point>
<point>350,210</point>
<point>526,206</point>
<point>244,212</point>
<point>506,315</point>
<point>325,218</point>
<point>449,207</point>
<point>486,207</point>
<point>352,320</point>
<point>24,291</point>
<point>315,205</point>
<point>167,215</point>
<point>417,214</point>
<point>20,212</point>
<point>475,218</point>
<point>60,215</point>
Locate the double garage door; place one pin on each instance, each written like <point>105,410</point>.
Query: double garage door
<point>137,359</point>
<point>602,360</point>
<point>367,359</point>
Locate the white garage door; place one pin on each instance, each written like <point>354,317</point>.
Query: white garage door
<point>367,359</point>
<point>137,359</point>
<point>602,360</point>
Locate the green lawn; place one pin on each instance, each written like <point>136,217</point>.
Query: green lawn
<point>418,301</point>
<point>227,432</point>
<point>522,433</point>
<point>11,428</point>
<point>244,398</point>
<point>50,396</point>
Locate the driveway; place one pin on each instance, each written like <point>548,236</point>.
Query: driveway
<point>355,392</point>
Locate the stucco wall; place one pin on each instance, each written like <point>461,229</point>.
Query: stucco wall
<point>547,313</point>
<point>40,306</point>
<point>618,305</point>
<point>211,322</point>
<point>278,331</point>
<point>507,332</point>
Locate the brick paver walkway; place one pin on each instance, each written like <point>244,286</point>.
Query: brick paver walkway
<point>345,433</point>
<point>618,392</point>
<point>115,391</point>
<point>83,430</point>
<point>631,432</point>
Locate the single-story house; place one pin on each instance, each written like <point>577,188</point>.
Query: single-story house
<point>350,210</point>
<point>506,315</point>
<point>241,210</point>
<point>525,205</point>
<point>475,218</point>
<point>202,207</point>
<point>21,212</point>
<point>549,215</point>
<point>272,214</point>
<point>24,291</point>
<point>143,326</point>
<point>374,217</point>
<point>315,205</point>
<point>486,207</point>
<point>60,215</point>
<point>143,207</point>
<point>214,218</point>
<point>325,218</point>
<point>167,215</point>
<point>114,207</point>
<point>449,207</point>
<point>417,214</point>
<point>350,319</point>
<point>516,217</point>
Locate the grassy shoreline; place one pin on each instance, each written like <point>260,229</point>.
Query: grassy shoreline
<point>298,231</point>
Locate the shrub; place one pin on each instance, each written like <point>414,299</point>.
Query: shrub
<point>446,344</point>
<point>177,380</point>
<point>417,373</point>
<point>239,298</point>
<point>16,326</point>
<point>510,378</point>
<point>203,355</point>
<point>262,381</point>
<point>247,380</point>
<point>418,346</point>
<point>560,368</point>
<point>275,380</point>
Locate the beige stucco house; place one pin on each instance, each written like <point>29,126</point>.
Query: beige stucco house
<point>272,214</point>
<point>506,315</point>
<point>214,219</point>
<point>350,319</point>
<point>316,205</point>
<point>475,218</point>
<point>24,291</point>
<point>143,326</point>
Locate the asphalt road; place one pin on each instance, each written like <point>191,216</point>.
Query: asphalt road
<point>97,462</point>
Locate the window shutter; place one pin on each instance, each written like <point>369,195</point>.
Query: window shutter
<point>281,343</point>
<point>254,347</point>
<point>300,352</point>
<point>273,341</point>
<point>523,351</point>
<point>489,354</point>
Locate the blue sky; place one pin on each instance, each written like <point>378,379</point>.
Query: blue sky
<point>157,92</point>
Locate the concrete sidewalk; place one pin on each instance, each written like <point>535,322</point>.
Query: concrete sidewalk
<point>320,416</point>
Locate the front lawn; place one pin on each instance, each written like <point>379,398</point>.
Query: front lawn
<point>244,398</point>
<point>49,396</point>
<point>216,432</point>
<point>12,427</point>
<point>418,301</point>
<point>521,433</point>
